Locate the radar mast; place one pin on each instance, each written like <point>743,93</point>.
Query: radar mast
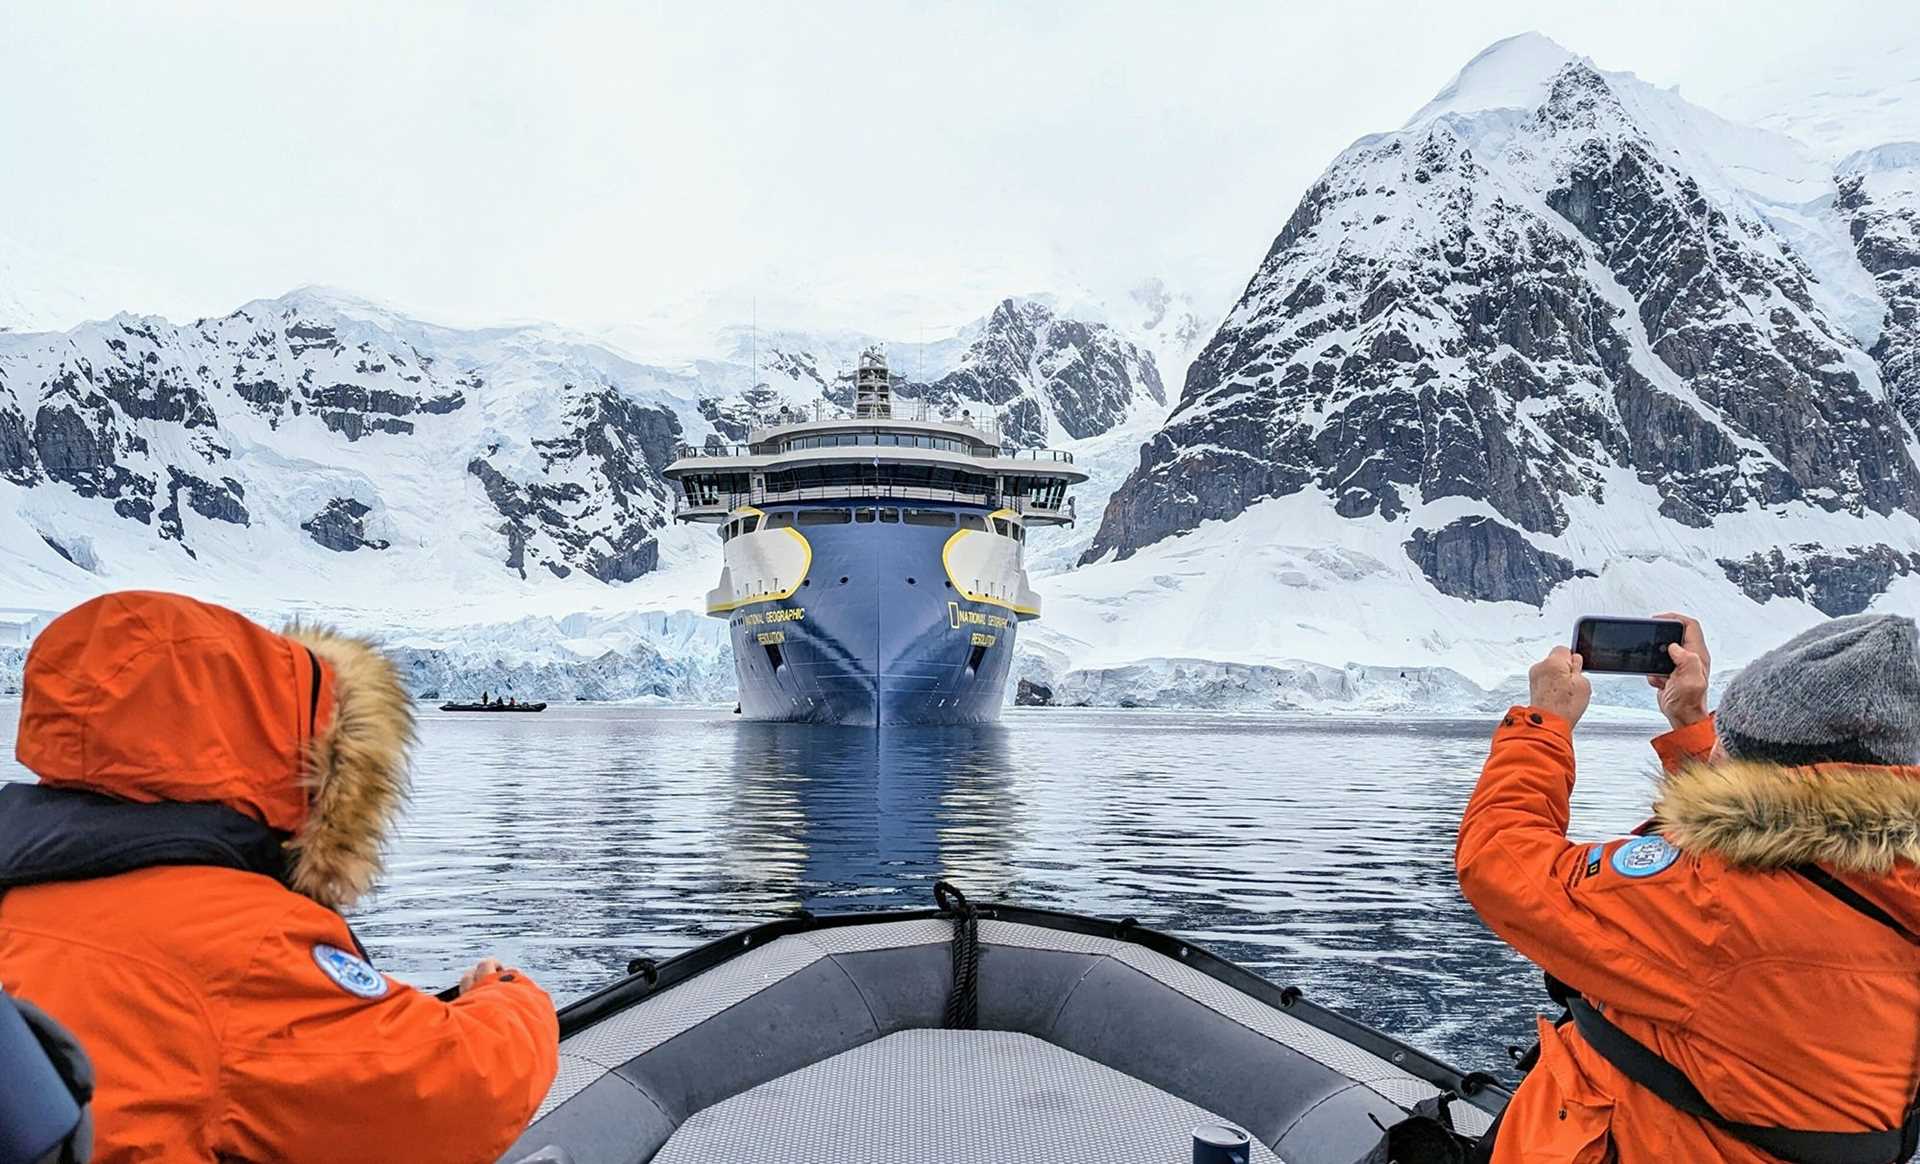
<point>872,387</point>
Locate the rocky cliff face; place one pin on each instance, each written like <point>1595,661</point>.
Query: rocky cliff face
<point>1559,315</point>
<point>598,496</point>
<point>1879,196</point>
<point>1043,376</point>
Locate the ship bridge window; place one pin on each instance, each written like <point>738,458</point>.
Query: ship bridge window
<point>863,515</point>
<point>929,517</point>
<point>882,479</point>
<point>1003,527</point>
<point>781,520</point>
<point>713,488</point>
<point>748,524</point>
<point>824,517</point>
<point>1043,493</point>
<point>889,515</point>
<point>972,521</point>
<point>904,440</point>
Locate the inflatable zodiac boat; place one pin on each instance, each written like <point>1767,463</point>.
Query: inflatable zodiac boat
<point>983,1034</point>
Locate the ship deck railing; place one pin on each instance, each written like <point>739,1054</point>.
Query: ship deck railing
<point>716,452</point>
<point>718,506</point>
<point>900,408</point>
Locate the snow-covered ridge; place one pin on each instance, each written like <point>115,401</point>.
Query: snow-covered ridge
<point>320,446</point>
<point>1563,343</point>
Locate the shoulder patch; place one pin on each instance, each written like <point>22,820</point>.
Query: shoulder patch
<point>1644,856</point>
<point>349,972</point>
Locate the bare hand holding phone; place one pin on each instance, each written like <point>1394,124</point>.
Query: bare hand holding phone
<point>1683,694</point>
<point>1556,684</point>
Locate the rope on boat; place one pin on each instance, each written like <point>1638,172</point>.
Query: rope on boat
<point>963,1005</point>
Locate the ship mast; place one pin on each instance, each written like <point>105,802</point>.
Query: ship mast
<point>872,387</point>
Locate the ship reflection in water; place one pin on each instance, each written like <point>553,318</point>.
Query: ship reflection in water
<point>1319,853</point>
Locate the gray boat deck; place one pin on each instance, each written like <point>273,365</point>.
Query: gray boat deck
<point>963,1097</point>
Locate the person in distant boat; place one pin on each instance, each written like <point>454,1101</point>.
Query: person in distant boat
<point>483,699</point>
<point>1742,974</point>
<point>211,794</point>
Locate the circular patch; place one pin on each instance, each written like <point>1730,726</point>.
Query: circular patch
<point>349,972</point>
<point>1644,856</point>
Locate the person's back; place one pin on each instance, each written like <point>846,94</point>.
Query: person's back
<point>210,794</point>
<point>1762,937</point>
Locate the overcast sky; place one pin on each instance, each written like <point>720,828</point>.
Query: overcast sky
<point>592,165</point>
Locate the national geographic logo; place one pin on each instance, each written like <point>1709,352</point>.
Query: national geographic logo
<point>959,619</point>
<point>784,614</point>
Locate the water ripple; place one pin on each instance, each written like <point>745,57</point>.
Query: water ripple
<point>1318,853</point>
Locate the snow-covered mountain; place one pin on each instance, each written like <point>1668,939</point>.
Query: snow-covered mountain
<point>1048,378</point>
<point>321,448</point>
<point>1564,342</point>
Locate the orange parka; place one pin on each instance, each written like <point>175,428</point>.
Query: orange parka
<point>228,1015</point>
<point>1783,1005</point>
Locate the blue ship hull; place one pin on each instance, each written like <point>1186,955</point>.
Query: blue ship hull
<point>875,634</point>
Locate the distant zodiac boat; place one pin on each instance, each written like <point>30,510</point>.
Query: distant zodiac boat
<point>494,706</point>
<point>873,563</point>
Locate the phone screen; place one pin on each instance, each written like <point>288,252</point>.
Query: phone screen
<point>1628,646</point>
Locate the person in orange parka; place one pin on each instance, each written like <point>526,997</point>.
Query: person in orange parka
<point>1759,937</point>
<point>211,794</point>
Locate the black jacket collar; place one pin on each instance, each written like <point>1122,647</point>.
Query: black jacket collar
<point>63,834</point>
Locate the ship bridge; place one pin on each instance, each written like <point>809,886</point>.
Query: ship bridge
<point>880,449</point>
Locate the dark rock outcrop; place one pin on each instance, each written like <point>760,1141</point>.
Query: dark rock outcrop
<point>341,526</point>
<point>1031,694</point>
<point>1834,583</point>
<point>16,449</point>
<point>1480,559</point>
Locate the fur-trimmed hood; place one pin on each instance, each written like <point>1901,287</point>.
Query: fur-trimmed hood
<point>356,776</point>
<point>153,697</point>
<point>1851,819</point>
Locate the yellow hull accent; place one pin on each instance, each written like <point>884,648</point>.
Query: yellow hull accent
<point>806,548</point>
<point>946,561</point>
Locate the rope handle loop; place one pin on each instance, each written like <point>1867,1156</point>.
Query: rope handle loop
<point>963,1004</point>
<point>950,900</point>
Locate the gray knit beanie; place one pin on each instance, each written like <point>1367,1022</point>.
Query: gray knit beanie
<point>1847,691</point>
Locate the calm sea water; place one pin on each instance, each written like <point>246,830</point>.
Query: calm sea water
<point>1317,852</point>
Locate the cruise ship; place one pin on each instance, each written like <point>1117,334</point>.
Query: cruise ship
<point>874,561</point>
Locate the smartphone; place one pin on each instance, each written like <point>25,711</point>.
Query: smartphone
<point>1626,646</point>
